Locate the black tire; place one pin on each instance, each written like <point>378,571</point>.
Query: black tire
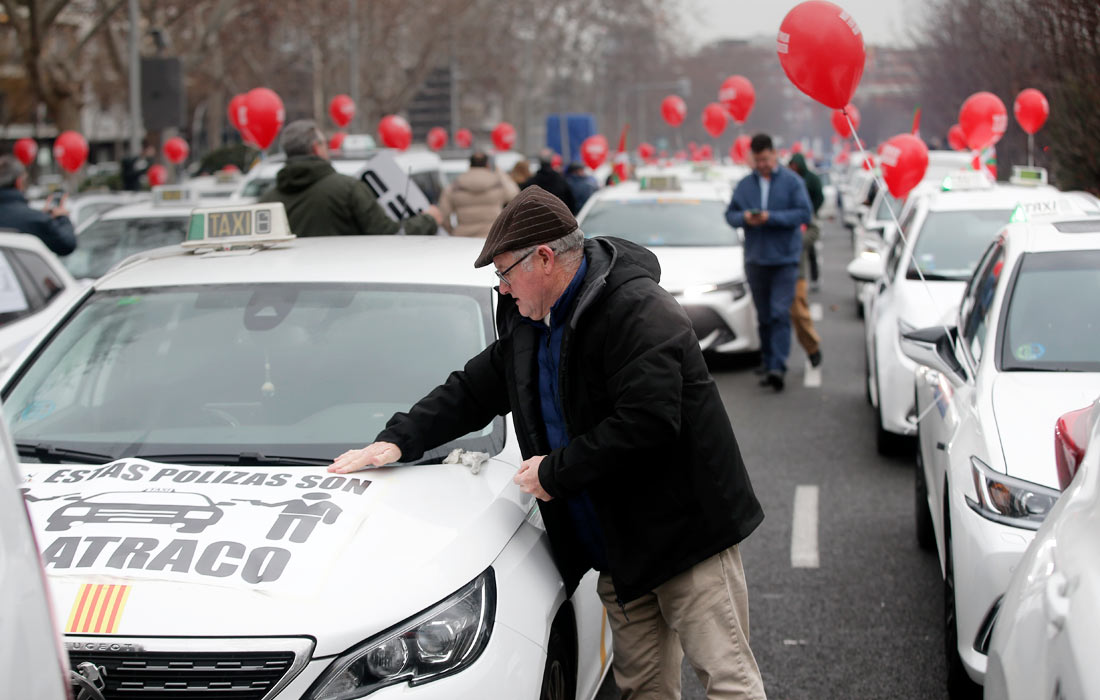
<point>559,676</point>
<point>867,376</point>
<point>959,685</point>
<point>926,532</point>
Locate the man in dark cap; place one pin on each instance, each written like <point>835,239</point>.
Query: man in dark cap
<point>625,440</point>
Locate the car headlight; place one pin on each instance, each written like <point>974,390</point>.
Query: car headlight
<point>442,640</point>
<point>1009,501</point>
<point>739,289</point>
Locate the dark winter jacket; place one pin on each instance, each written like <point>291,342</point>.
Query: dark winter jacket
<point>555,183</point>
<point>650,441</point>
<point>813,182</point>
<point>779,240</point>
<point>56,232</point>
<point>321,202</point>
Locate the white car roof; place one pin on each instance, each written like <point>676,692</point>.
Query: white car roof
<point>999,196</point>
<point>689,190</point>
<point>146,210</point>
<point>1082,233</point>
<point>429,260</point>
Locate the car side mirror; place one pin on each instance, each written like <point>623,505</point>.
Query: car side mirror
<point>866,268</point>
<point>935,348</point>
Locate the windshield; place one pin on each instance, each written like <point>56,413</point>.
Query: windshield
<point>293,370</point>
<point>105,243</point>
<point>656,223</point>
<point>950,243</point>
<point>885,204</point>
<point>1051,322</point>
<point>257,186</point>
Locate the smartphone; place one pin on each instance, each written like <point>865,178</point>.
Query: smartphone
<point>54,200</point>
<point>753,212</point>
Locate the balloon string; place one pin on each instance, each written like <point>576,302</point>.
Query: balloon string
<point>882,185</point>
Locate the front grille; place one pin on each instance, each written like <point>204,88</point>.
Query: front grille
<point>705,320</point>
<point>234,673</point>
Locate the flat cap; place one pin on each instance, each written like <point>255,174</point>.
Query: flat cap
<point>534,216</point>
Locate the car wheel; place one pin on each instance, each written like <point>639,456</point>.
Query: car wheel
<point>926,534</point>
<point>559,680</point>
<point>959,685</point>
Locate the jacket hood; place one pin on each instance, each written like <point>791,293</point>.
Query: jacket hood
<point>797,163</point>
<point>302,171</point>
<point>612,262</point>
<point>478,181</point>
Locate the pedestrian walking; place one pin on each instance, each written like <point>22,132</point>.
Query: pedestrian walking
<point>771,204</point>
<point>475,198</point>
<point>817,199</point>
<point>581,184</point>
<point>321,202</point>
<point>51,225</point>
<point>803,322</point>
<point>135,165</point>
<point>626,445</point>
<point>551,180</point>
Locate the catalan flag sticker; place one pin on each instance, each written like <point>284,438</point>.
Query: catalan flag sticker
<point>97,609</point>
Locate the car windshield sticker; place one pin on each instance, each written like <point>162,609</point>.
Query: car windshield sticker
<point>1030,351</point>
<point>236,527</point>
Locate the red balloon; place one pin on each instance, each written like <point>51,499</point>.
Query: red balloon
<point>714,119</point>
<point>594,151</point>
<point>821,51</point>
<point>504,136</point>
<point>341,109</point>
<point>904,162</point>
<point>25,150</point>
<point>646,151</point>
<point>395,132</point>
<point>738,96</point>
<point>464,138</point>
<point>176,150</point>
<point>230,168</point>
<point>437,138</point>
<point>157,174</point>
<point>840,122</point>
<point>336,141</point>
<point>236,111</point>
<point>555,162</point>
<point>739,151</point>
<point>706,152</point>
<point>263,116</point>
<point>673,110</point>
<point>70,150</point>
<point>956,138</point>
<point>983,119</point>
<point>869,162</point>
<point>796,147</point>
<point>1031,109</point>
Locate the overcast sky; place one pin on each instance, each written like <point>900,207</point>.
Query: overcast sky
<point>881,21</point>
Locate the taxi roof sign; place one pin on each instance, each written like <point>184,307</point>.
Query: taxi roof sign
<point>248,226</point>
<point>173,196</point>
<point>966,180</point>
<point>667,182</point>
<point>1028,175</point>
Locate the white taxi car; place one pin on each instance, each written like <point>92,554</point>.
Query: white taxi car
<point>130,229</point>
<point>1023,349</point>
<point>945,235</point>
<point>174,432</point>
<point>702,258</point>
<point>1048,625</point>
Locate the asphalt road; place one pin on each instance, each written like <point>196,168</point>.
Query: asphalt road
<point>867,622</point>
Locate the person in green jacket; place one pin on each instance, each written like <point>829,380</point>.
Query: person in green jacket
<point>817,198</point>
<point>321,202</point>
<point>803,323</point>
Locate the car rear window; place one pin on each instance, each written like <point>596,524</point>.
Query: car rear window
<point>661,223</point>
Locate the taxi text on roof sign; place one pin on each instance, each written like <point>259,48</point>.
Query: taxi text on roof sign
<point>247,225</point>
<point>173,196</point>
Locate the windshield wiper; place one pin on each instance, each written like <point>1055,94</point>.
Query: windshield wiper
<point>46,453</point>
<point>244,459</point>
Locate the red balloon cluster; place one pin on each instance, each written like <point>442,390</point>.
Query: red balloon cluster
<point>904,160</point>
<point>739,151</point>
<point>157,175</point>
<point>821,50</point>
<point>70,150</point>
<point>342,110</point>
<point>983,119</point>
<point>437,138</point>
<point>840,122</point>
<point>673,110</point>
<point>504,136</point>
<point>336,141</point>
<point>714,119</point>
<point>176,150</point>
<point>395,132</point>
<point>956,138</point>
<point>738,96</point>
<point>1031,109</point>
<point>25,150</point>
<point>594,151</point>
<point>464,138</point>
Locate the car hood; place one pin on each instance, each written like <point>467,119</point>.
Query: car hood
<point>683,267</point>
<point>918,309</point>
<point>263,551</point>
<point>1026,406</point>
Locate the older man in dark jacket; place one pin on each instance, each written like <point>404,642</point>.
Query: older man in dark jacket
<point>625,439</point>
<point>52,225</point>
<point>321,202</point>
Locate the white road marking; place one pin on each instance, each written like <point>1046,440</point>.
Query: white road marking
<point>816,312</point>
<point>804,554</point>
<point>811,377</point>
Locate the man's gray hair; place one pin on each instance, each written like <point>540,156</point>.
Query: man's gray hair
<point>567,249</point>
<point>10,171</point>
<point>299,137</point>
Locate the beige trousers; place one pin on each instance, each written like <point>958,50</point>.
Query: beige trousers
<point>802,321</point>
<point>703,613</point>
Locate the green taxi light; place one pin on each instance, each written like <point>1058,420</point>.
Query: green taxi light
<point>1018,215</point>
<point>197,228</point>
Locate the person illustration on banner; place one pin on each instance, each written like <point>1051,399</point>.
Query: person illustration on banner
<point>301,514</point>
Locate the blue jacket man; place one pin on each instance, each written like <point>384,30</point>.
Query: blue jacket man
<point>771,205</point>
<point>53,226</point>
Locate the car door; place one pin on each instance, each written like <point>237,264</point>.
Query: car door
<point>28,286</point>
<point>879,317</point>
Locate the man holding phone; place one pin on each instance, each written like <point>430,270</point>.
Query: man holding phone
<point>52,225</point>
<point>771,204</point>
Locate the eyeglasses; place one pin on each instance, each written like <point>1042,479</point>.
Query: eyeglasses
<point>503,275</point>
